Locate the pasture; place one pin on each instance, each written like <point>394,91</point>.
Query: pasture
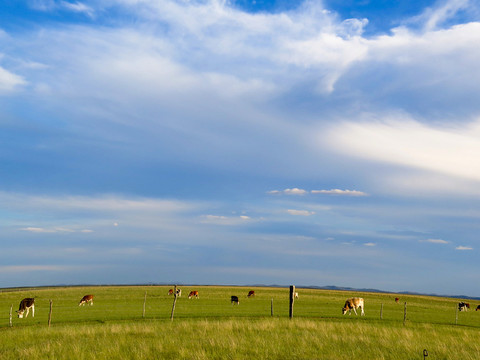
<point>212,328</point>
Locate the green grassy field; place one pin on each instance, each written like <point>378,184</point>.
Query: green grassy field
<point>212,328</point>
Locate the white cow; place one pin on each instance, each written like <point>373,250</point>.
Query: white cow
<point>353,304</point>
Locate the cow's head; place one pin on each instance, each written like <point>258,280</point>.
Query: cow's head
<point>344,310</point>
<point>20,313</point>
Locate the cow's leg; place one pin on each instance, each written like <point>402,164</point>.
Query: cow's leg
<point>27,310</point>
<point>33,310</point>
<point>355,311</point>
<point>363,313</point>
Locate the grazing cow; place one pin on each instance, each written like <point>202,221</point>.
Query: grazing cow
<point>353,304</point>
<point>179,292</point>
<point>251,293</point>
<point>296,295</point>
<point>25,305</point>
<point>478,308</point>
<point>397,300</point>
<point>85,300</point>
<point>234,300</point>
<point>193,294</point>
<point>463,306</point>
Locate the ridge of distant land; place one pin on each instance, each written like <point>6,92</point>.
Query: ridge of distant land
<point>328,287</point>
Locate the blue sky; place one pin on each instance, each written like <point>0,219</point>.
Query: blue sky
<point>240,142</point>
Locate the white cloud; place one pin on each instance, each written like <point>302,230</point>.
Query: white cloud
<point>434,16</point>
<point>435,241</point>
<point>52,230</point>
<point>463,248</point>
<point>100,203</point>
<point>450,150</point>
<point>370,244</point>
<point>340,192</point>
<point>294,191</point>
<point>30,268</point>
<point>78,7</point>
<point>9,81</point>
<point>224,220</point>
<point>301,212</point>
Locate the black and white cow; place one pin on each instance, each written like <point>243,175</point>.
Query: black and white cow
<point>25,306</point>
<point>234,300</point>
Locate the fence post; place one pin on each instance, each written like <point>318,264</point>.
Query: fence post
<point>271,307</point>
<point>292,297</point>
<point>50,313</point>
<point>456,315</point>
<point>174,301</point>
<point>405,313</point>
<point>11,310</point>
<point>144,302</point>
<point>381,312</point>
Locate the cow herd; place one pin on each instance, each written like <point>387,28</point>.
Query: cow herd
<point>463,306</point>
<point>354,303</point>
<point>28,304</point>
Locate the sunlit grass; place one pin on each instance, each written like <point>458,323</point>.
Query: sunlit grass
<point>240,339</point>
<point>212,328</point>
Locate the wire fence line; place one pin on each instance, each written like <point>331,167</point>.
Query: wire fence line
<point>154,303</point>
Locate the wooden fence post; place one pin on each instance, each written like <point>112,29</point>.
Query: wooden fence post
<point>11,311</point>
<point>144,302</point>
<point>174,301</point>
<point>271,307</point>
<point>456,315</point>
<point>50,313</point>
<point>405,313</point>
<point>381,312</point>
<point>292,299</point>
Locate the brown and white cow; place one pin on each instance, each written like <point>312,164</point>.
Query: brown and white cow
<point>193,294</point>
<point>87,299</point>
<point>353,304</point>
<point>463,306</point>
<point>234,300</point>
<point>25,306</point>
<point>170,292</point>
<point>397,300</point>
<point>251,293</point>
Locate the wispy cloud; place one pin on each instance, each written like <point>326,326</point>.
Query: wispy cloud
<point>9,81</point>
<point>442,11</point>
<point>340,192</point>
<point>29,268</point>
<point>225,220</point>
<point>443,149</point>
<point>301,212</point>
<point>77,7</point>
<point>297,191</point>
<point>435,241</point>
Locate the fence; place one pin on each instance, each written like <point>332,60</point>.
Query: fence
<point>147,303</point>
